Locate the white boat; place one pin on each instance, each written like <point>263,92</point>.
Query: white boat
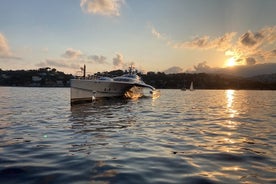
<point>129,85</point>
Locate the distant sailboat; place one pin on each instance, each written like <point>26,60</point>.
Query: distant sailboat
<point>192,86</point>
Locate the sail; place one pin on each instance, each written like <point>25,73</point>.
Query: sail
<point>191,86</point>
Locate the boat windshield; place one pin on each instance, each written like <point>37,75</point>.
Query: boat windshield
<point>128,78</point>
<point>105,78</point>
<point>133,76</point>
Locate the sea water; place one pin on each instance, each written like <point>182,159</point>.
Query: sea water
<point>201,136</point>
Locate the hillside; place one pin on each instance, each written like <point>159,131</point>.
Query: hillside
<point>43,77</point>
<point>209,81</point>
<point>47,77</point>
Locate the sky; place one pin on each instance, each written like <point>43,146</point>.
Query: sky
<point>153,35</point>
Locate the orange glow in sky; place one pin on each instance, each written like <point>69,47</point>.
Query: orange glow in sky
<point>231,62</point>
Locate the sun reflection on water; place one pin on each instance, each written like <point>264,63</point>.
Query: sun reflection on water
<point>228,141</point>
<point>230,99</point>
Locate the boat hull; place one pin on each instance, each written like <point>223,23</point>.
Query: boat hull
<point>89,90</point>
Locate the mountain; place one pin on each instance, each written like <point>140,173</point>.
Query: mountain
<point>249,70</point>
<point>267,78</point>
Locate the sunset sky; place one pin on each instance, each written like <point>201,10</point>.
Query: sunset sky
<point>154,35</point>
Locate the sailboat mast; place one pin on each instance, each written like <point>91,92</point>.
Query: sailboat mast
<point>84,71</point>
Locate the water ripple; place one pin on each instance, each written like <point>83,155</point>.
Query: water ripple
<point>182,137</point>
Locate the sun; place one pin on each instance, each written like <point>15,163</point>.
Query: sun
<point>231,62</point>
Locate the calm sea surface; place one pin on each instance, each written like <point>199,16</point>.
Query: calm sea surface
<point>204,136</point>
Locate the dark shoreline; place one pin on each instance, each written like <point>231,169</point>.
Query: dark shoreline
<point>47,77</point>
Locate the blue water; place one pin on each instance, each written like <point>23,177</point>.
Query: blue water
<point>203,136</point>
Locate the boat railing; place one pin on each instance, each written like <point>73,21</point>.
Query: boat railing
<point>88,77</point>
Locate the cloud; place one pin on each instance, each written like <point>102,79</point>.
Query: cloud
<point>101,7</point>
<point>118,61</point>
<point>250,61</point>
<point>250,39</point>
<point>248,48</point>
<point>156,33</point>
<point>78,56</point>
<point>58,63</point>
<point>5,52</point>
<point>72,59</point>
<point>205,42</point>
<point>72,54</point>
<point>174,69</point>
<point>199,42</point>
<point>273,52</point>
<point>203,68</point>
<point>97,59</point>
<point>260,38</point>
<point>4,47</point>
<point>256,46</point>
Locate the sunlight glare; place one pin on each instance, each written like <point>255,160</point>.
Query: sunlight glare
<point>231,62</point>
<point>230,99</point>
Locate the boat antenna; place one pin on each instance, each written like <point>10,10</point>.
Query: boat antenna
<point>131,69</point>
